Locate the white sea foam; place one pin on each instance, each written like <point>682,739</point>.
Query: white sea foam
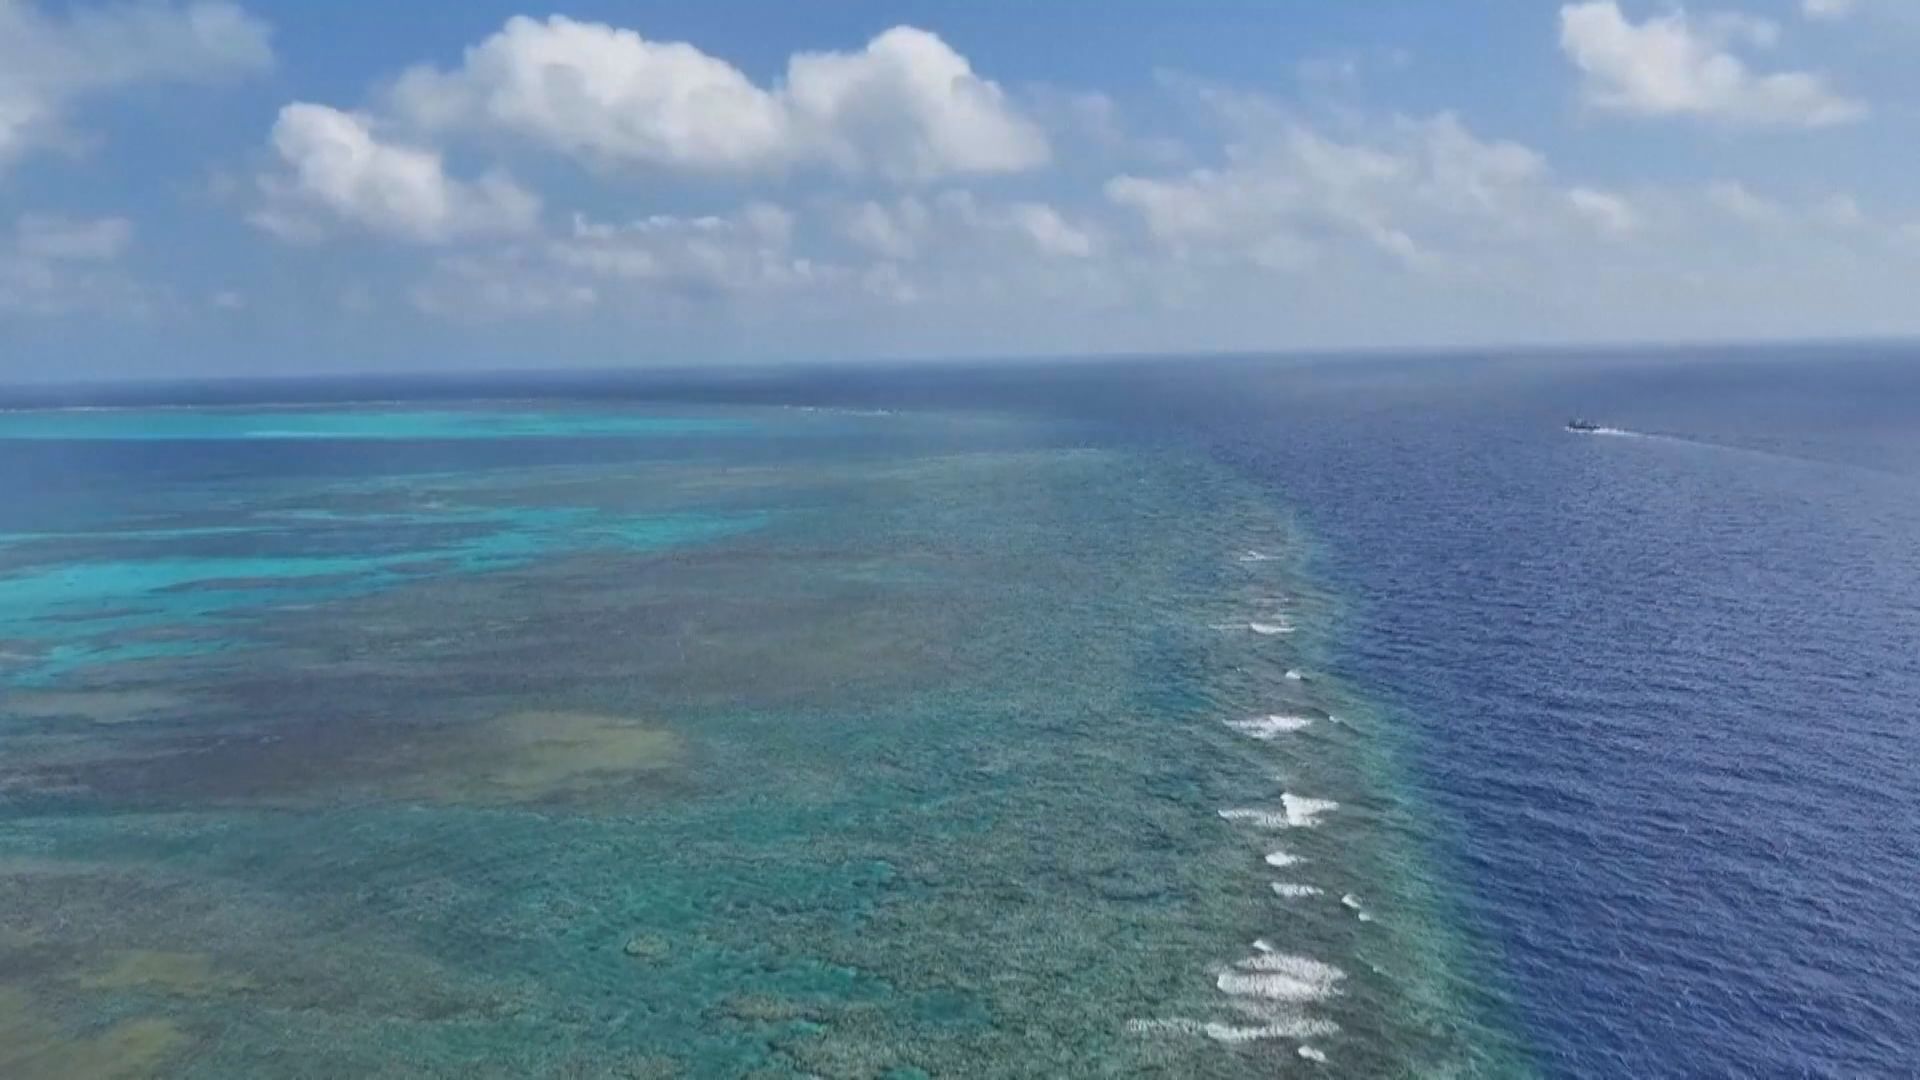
<point>1351,901</point>
<point>1271,726</point>
<point>1290,1018</point>
<point>1294,890</point>
<point>839,410</point>
<point>1265,819</point>
<point>1269,990</point>
<point>1298,812</point>
<point>1295,676</point>
<point>1275,976</point>
<point>1280,858</point>
<point>1306,967</point>
<point>1295,1027</point>
<point>1311,1054</point>
<point>1272,626</point>
<point>1256,556</point>
<point>1303,812</point>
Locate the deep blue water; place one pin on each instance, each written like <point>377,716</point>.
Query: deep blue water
<point>1658,691</point>
<point>1667,686</point>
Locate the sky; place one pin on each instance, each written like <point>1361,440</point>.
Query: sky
<point>211,187</point>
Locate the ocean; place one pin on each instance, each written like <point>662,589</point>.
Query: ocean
<point>1168,716</point>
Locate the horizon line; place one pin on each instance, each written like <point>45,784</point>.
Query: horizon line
<point>744,366</point>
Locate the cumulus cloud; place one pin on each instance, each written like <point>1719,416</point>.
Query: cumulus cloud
<point>712,255</point>
<point>1050,233</point>
<point>956,250</point>
<point>906,106</point>
<point>604,93</point>
<point>1826,9</point>
<point>761,258</point>
<point>336,168</point>
<point>891,232</point>
<point>910,107</point>
<point>1675,65</point>
<point>1837,211</point>
<point>956,221</point>
<point>1417,192</point>
<point>51,62</point>
<point>662,259</point>
<point>1307,213</point>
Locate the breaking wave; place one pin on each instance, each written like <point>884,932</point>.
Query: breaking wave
<point>1271,726</point>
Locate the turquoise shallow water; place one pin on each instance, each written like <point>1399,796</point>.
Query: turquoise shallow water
<point>286,423</point>
<point>834,746</point>
<point>62,613</point>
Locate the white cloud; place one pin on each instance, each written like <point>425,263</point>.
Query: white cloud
<point>58,265</point>
<point>1826,9</point>
<point>1672,65</point>
<point>603,93</point>
<point>760,258</point>
<point>1732,197</point>
<point>891,232</point>
<point>1419,192</point>
<point>909,107</point>
<point>43,236</point>
<point>1033,227</point>
<point>1090,128</point>
<point>713,255</point>
<point>906,106</point>
<point>1196,206</point>
<point>888,282</point>
<point>1609,213</point>
<point>663,259</point>
<point>336,167</point>
<point>1703,263</point>
<point>955,221</point>
<point>31,287</point>
<point>498,285</point>
<point>1050,233</point>
<point>958,251</point>
<point>1839,211</point>
<point>49,62</point>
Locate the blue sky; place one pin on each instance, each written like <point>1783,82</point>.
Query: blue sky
<point>206,187</point>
